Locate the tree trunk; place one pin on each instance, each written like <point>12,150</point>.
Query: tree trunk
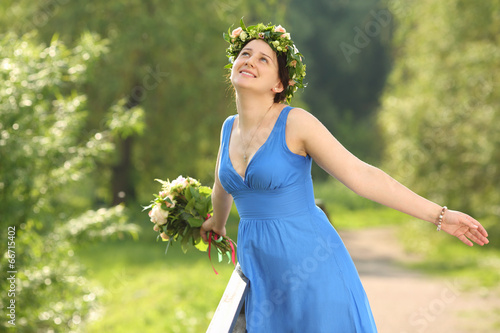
<point>121,181</point>
<point>122,185</point>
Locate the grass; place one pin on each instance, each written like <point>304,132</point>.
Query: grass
<point>158,294</point>
<point>144,290</point>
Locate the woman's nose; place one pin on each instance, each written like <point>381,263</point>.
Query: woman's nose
<point>249,61</point>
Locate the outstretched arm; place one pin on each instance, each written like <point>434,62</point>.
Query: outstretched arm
<point>307,135</point>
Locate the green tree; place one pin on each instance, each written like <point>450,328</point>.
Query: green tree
<point>46,156</point>
<point>440,112</point>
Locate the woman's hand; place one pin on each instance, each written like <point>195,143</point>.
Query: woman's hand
<point>464,228</point>
<point>209,225</point>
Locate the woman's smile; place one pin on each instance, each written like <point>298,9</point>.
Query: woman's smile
<point>247,73</point>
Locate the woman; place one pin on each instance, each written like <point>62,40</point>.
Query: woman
<point>302,278</point>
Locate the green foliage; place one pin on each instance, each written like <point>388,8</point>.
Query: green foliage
<point>174,72</point>
<point>42,123</point>
<point>125,122</point>
<point>166,57</point>
<point>45,155</point>
<point>344,88</point>
<point>440,113</point>
<point>51,292</point>
<point>94,225</point>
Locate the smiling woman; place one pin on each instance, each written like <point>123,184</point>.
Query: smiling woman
<point>301,277</point>
<point>291,68</point>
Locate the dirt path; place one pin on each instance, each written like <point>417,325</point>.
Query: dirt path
<point>404,301</point>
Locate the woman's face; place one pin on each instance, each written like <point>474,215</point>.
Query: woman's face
<point>256,68</point>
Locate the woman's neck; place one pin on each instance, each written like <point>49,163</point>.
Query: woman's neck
<point>251,111</point>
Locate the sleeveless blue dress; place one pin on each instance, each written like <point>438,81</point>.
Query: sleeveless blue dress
<point>301,277</point>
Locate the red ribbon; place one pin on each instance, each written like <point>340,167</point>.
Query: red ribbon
<point>233,252</point>
<point>215,237</point>
<point>209,247</point>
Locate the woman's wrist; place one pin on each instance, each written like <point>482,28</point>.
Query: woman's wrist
<point>218,225</point>
<point>440,217</point>
<point>432,215</point>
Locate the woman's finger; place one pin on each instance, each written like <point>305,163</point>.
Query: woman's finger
<point>474,238</point>
<point>480,236</point>
<point>481,229</point>
<point>465,240</point>
<point>203,234</point>
<point>477,226</point>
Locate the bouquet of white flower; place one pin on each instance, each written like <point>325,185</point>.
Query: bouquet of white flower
<point>179,210</point>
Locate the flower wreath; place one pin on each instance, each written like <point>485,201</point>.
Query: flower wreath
<point>280,42</point>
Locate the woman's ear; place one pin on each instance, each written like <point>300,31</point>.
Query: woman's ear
<point>278,88</point>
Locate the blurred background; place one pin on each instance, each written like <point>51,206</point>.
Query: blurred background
<point>99,98</point>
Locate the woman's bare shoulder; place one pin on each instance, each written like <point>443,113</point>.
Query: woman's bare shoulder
<point>302,121</point>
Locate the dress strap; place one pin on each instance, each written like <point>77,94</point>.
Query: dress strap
<point>226,134</point>
<point>226,130</point>
<point>281,122</point>
<point>283,116</point>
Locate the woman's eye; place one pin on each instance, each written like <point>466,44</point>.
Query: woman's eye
<point>244,53</point>
<point>263,59</point>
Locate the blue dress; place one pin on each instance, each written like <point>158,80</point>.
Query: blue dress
<point>302,279</point>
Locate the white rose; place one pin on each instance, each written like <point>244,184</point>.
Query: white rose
<point>158,215</point>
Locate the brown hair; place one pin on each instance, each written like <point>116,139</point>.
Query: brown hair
<point>283,76</point>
